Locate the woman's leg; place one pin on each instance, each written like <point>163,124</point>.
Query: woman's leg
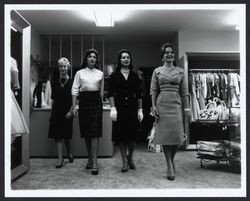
<point>94,151</point>
<point>167,152</point>
<point>131,146</point>
<point>59,152</point>
<point>88,146</point>
<point>67,145</point>
<point>173,152</point>
<point>123,149</point>
<point>68,148</point>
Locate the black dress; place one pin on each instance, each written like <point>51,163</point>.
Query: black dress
<point>126,94</point>
<point>61,127</point>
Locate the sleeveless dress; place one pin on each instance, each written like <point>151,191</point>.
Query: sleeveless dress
<point>168,86</point>
<point>61,127</point>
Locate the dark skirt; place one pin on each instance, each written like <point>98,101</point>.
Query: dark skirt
<point>90,114</point>
<point>60,127</point>
<point>126,127</point>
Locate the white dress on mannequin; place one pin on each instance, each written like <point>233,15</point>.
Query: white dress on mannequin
<point>18,123</point>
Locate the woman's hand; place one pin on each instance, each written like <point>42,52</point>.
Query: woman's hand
<point>113,113</point>
<point>140,115</point>
<point>68,115</point>
<point>74,112</point>
<point>155,112</point>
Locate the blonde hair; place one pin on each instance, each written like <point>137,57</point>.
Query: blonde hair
<point>64,60</point>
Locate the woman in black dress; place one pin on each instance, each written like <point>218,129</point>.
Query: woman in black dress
<point>61,120</point>
<point>126,107</point>
<point>88,86</point>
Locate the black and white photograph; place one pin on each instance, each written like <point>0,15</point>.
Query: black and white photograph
<point>125,100</point>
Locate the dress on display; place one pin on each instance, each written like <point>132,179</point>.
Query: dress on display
<point>168,86</point>
<point>61,127</point>
<point>18,123</point>
<point>126,94</point>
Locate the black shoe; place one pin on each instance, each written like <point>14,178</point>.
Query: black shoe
<point>171,178</point>
<point>71,158</point>
<point>125,169</point>
<point>89,164</point>
<point>131,165</point>
<point>94,171</point>
<point>60,165</point>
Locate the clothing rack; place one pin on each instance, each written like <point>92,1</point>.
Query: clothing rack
<point>216,70</point>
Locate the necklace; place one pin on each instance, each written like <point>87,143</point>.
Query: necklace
<point>125,70</point>
<point>63,84</point>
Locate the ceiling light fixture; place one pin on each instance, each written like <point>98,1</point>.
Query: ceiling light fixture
<point>103,18</point>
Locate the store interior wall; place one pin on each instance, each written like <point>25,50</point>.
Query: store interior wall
<point>207,42</point>
<point>35,42</point>
<point>145,54</point>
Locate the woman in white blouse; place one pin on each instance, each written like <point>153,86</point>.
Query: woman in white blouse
<point>88,87</point>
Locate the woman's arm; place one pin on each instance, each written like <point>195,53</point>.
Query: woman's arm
<point>75,93</point>
<point>185,97</point>
<point>102,87</point>
<point>73,107</point>
<point>154,108</point>
<point>154,91</point>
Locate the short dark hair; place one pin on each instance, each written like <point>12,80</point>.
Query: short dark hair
<point>119,65</point>
<point>164,46</point>
<point>87,53</point>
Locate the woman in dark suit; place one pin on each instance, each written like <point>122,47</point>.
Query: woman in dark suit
<point>126,107</point>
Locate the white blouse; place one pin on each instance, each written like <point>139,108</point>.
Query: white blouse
<point>87,80</point>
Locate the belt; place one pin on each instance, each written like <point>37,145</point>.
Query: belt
<point>170,89</point>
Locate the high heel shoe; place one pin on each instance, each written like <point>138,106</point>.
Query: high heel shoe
<point>89,164</point>
<point>131,165</point>
<point>171,178</point>
<point>94,171</point>
<point>60,165</point>
<point>125,168</point>
<point>70,158</point>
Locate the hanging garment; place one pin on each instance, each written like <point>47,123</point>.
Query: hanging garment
<point>203,80</point>
<point>32,87</point>
<point>47,94</point>
<point>37,95</point>
<point>14,74</point>
<point>234,90</point>
<point>216,85</point>
<point>209,86</point>
<point>194,102</point>
<point>200,96</point>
